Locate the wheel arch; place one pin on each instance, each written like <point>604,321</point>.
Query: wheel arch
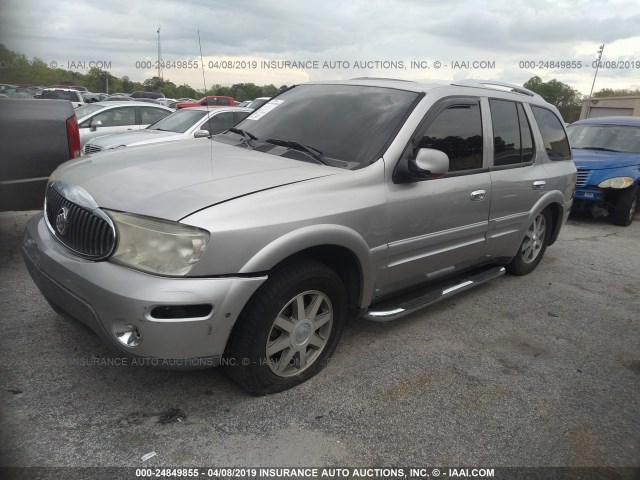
<point>554,202</point>
<point>340,248</point>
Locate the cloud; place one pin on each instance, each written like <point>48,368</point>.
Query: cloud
<point>502,31</point>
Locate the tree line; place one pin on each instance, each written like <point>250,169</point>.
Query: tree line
<point>18,69</point>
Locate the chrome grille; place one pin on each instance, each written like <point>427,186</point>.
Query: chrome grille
<point>582,178</point>
<point>88,149</point>
<point>79,229</point>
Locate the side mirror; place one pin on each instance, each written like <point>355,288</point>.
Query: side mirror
<point>427,164</point>
<point>435,162</point>
<point>95,125</point>
<point>201,134</point>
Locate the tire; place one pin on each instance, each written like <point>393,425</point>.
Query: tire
<point>533,245</point>
<point>289,328</point>
<point>626,206</point>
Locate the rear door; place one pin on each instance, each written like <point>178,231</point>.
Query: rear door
<point>519,178</point>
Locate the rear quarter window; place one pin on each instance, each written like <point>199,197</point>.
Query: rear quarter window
<point>555,139</point>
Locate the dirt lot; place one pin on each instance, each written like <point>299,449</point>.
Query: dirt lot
<point>542,370</point>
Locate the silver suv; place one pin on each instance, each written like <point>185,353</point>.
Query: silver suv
<point>252,249</point>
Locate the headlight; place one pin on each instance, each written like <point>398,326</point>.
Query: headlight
<point>616,182</point>
<point>157,246</point>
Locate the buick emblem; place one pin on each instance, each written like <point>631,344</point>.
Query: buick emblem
<point>62,220</point>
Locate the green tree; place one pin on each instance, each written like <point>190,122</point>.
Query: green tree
<point>623,92</point>
<point>564,97</point>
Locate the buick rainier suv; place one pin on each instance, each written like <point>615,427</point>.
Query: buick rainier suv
<point>252,250</point>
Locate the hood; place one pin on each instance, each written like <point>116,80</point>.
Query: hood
<point>130,139</point>
<point>597,160</point>
<point>173,180</point>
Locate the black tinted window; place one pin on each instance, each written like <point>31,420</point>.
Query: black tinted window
<point>457,131</point>
<point>555,140</point>
<point>512,139</point>
<point>525,135</point>
<point>345,122</point>
<point>506,133</point>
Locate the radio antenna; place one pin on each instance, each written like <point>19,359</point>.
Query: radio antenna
<point>204,82</point>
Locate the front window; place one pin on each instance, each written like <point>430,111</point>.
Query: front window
<point>180,121</point>
<point>457,131</point>
<point>350,123</point>
<point>116,117</point>
<point>85,110</point>
<point>608,138</point>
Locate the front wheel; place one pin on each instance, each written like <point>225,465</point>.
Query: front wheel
<point>533,245</point>
<point>289,328</point>
<point>626,206</point>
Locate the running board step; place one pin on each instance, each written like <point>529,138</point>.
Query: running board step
<point>432,296</point>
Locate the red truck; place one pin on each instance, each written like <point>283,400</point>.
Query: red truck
<point>217,101</point>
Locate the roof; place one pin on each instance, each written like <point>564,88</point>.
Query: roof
<point>130,104</point>
<point>501,89</point>
<point>220,109</point>
<point>630,121</point>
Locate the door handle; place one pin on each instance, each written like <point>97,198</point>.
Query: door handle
<point>538,184</point>
<point>478,195</point>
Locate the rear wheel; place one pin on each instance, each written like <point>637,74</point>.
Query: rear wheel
<point>626,206</point>
<point>533,245</point>
<point>289,328</point>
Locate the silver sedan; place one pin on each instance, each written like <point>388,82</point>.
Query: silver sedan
<point>195,122</point>
<point>104,118</point>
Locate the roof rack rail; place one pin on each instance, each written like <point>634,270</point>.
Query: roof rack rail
<point>382,78</point>
<point>488,83</point>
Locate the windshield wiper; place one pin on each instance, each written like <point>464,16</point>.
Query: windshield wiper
<point>313,152</point>
<point>601,149</point>
<point>246,136</point>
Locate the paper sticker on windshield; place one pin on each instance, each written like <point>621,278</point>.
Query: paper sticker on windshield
<point>266,108</point>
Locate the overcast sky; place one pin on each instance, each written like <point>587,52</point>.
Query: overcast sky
<point>504,32</point>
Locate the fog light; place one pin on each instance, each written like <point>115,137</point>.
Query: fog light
<point>128,335</point>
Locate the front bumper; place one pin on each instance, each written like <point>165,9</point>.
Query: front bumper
<point>100,293</point>
<point>589,194</point>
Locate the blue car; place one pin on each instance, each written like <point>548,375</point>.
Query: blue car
<point>606,152</point>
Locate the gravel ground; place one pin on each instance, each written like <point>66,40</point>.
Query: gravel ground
<point>542,370</point>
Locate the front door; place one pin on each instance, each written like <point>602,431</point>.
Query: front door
<point>439,226</point>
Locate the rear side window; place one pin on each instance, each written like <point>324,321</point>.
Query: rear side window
<point>152,115</point>
<point>512,140</point>
<point>457,131</point>
<point>555,140</point>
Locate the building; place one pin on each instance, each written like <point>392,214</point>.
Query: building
<point>611,106</point>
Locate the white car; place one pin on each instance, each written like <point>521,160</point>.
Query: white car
<point>104,118</point>
<point>195,122</point>
<point>74,96</point>
<point>257,102</point>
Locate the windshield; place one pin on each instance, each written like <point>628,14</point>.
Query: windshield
<point>345,122</point>
<point>85,110</point>
<point>179,122</point>
<point>614,138</point>
<point>60,94</point>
